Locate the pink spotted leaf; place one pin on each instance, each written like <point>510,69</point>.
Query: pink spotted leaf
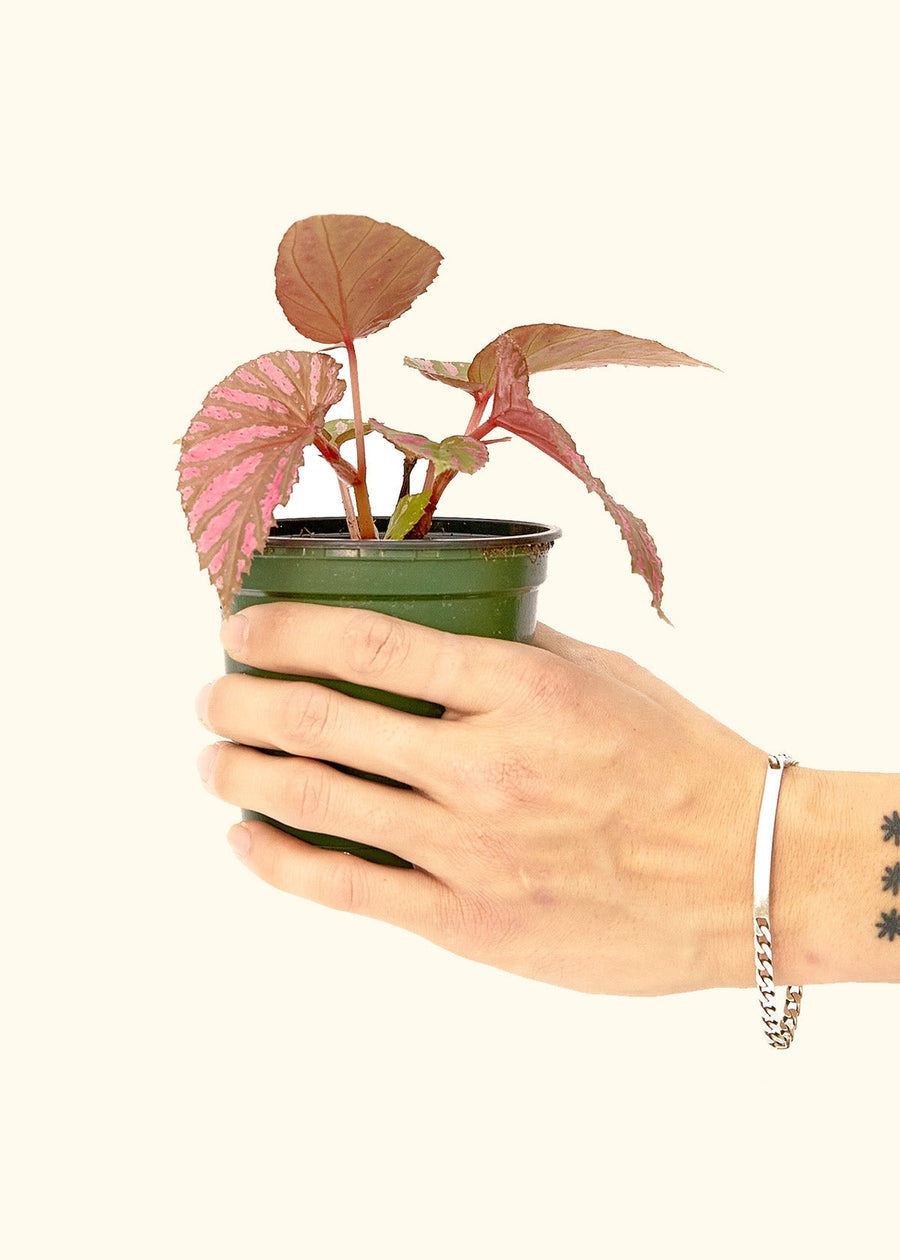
<point>241,454</point>
<point>457,453</point>
<point>340,431</point>
<point>329,439</point>
<point>447,371</point>
<point>513,410</point>
<point>340,277</point>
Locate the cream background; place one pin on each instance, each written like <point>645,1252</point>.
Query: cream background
<point>198,1066</point>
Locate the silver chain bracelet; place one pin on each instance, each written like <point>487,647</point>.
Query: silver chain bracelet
<point>779,1032</point>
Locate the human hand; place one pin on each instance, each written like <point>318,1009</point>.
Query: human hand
<point>572,819</point>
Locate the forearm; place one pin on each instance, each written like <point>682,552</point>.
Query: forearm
<point>835,893</point>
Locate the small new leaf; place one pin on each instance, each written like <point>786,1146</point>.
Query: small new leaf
<point>448,372</point>
<point>340,431</point>
<point>406,514</point>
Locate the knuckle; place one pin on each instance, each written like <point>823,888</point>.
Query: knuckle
<point>544,685</point>
<point>377,643</point>
<point>308,795</point>
<point>341,885</point>
<point>622,666</point>
<point>220,776</point>
<point>307,714</point>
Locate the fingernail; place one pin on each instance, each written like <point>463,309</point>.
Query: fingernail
<point>233,634</point>
<point>205,761</point>
<point>239,839</point>
<point>202,704</point>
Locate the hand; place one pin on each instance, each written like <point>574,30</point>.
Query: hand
<point>572,819</point>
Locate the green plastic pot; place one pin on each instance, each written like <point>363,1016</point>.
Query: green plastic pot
<point>477,577</point>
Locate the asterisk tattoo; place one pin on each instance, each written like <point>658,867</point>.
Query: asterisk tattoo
<point>889,925</point>
<point>891,827</point>
<point>891,879</point>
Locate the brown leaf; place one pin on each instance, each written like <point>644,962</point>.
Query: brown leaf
<point>241,453</point>
<point>547,347</point>
<point>513,410</point>
<point>340,277</point>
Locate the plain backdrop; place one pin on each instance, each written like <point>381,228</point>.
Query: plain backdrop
<point>198,1066</point>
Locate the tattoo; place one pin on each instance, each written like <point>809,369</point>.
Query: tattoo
<point>891,827</point>
<point>889,925</point>
<point>891,878</point>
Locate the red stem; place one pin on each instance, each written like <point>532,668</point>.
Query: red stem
<point>481,401</point>
<point>347,500</point>
<point>364,511</point>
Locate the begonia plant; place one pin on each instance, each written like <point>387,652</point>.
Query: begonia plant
<point>340,278</point>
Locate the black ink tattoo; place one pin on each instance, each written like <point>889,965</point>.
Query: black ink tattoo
<point>891,827</point>
<point>889,925</point>
<point>891,879</point>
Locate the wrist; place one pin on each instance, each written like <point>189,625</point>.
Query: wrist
<point>794,907</point>
<point>827,887</point>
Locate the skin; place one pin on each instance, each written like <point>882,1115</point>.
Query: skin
<point>572,819</point>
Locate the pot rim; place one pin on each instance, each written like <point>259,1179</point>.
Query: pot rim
<point>451,531</point>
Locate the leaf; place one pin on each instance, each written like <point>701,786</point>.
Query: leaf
<point>459,453</point>
<point>449,372</point>
<point>339,277</point>
<point>549,347</point>
<point>340,431</point>
<point>514,410</point>
<point>241,454</point>
<point>406,514</point>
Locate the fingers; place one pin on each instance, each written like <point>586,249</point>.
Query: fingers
<point>408,899</point>
<point>309,720</point>
<point>311,796</point>
<point>465,674</point>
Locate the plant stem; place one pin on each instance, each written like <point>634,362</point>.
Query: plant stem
<point>423,525</point>
<point>482,430</point>
<point>428,485</point>
<point>409,463</point>
<point>481,401</point>
<point>437,485</point>
<point>364,511</point>
<point>347,500</point>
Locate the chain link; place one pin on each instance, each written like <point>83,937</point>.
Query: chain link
<point>779,1032</point>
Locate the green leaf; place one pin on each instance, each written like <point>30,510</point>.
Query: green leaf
<point>448,372</point>
<point>406,514</point>
<point>340,431</point>
<point>457,453</point>
<point>549,347</point>
<point>340,277</point>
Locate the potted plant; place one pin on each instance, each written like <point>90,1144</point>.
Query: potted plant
<point>340,278</point>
